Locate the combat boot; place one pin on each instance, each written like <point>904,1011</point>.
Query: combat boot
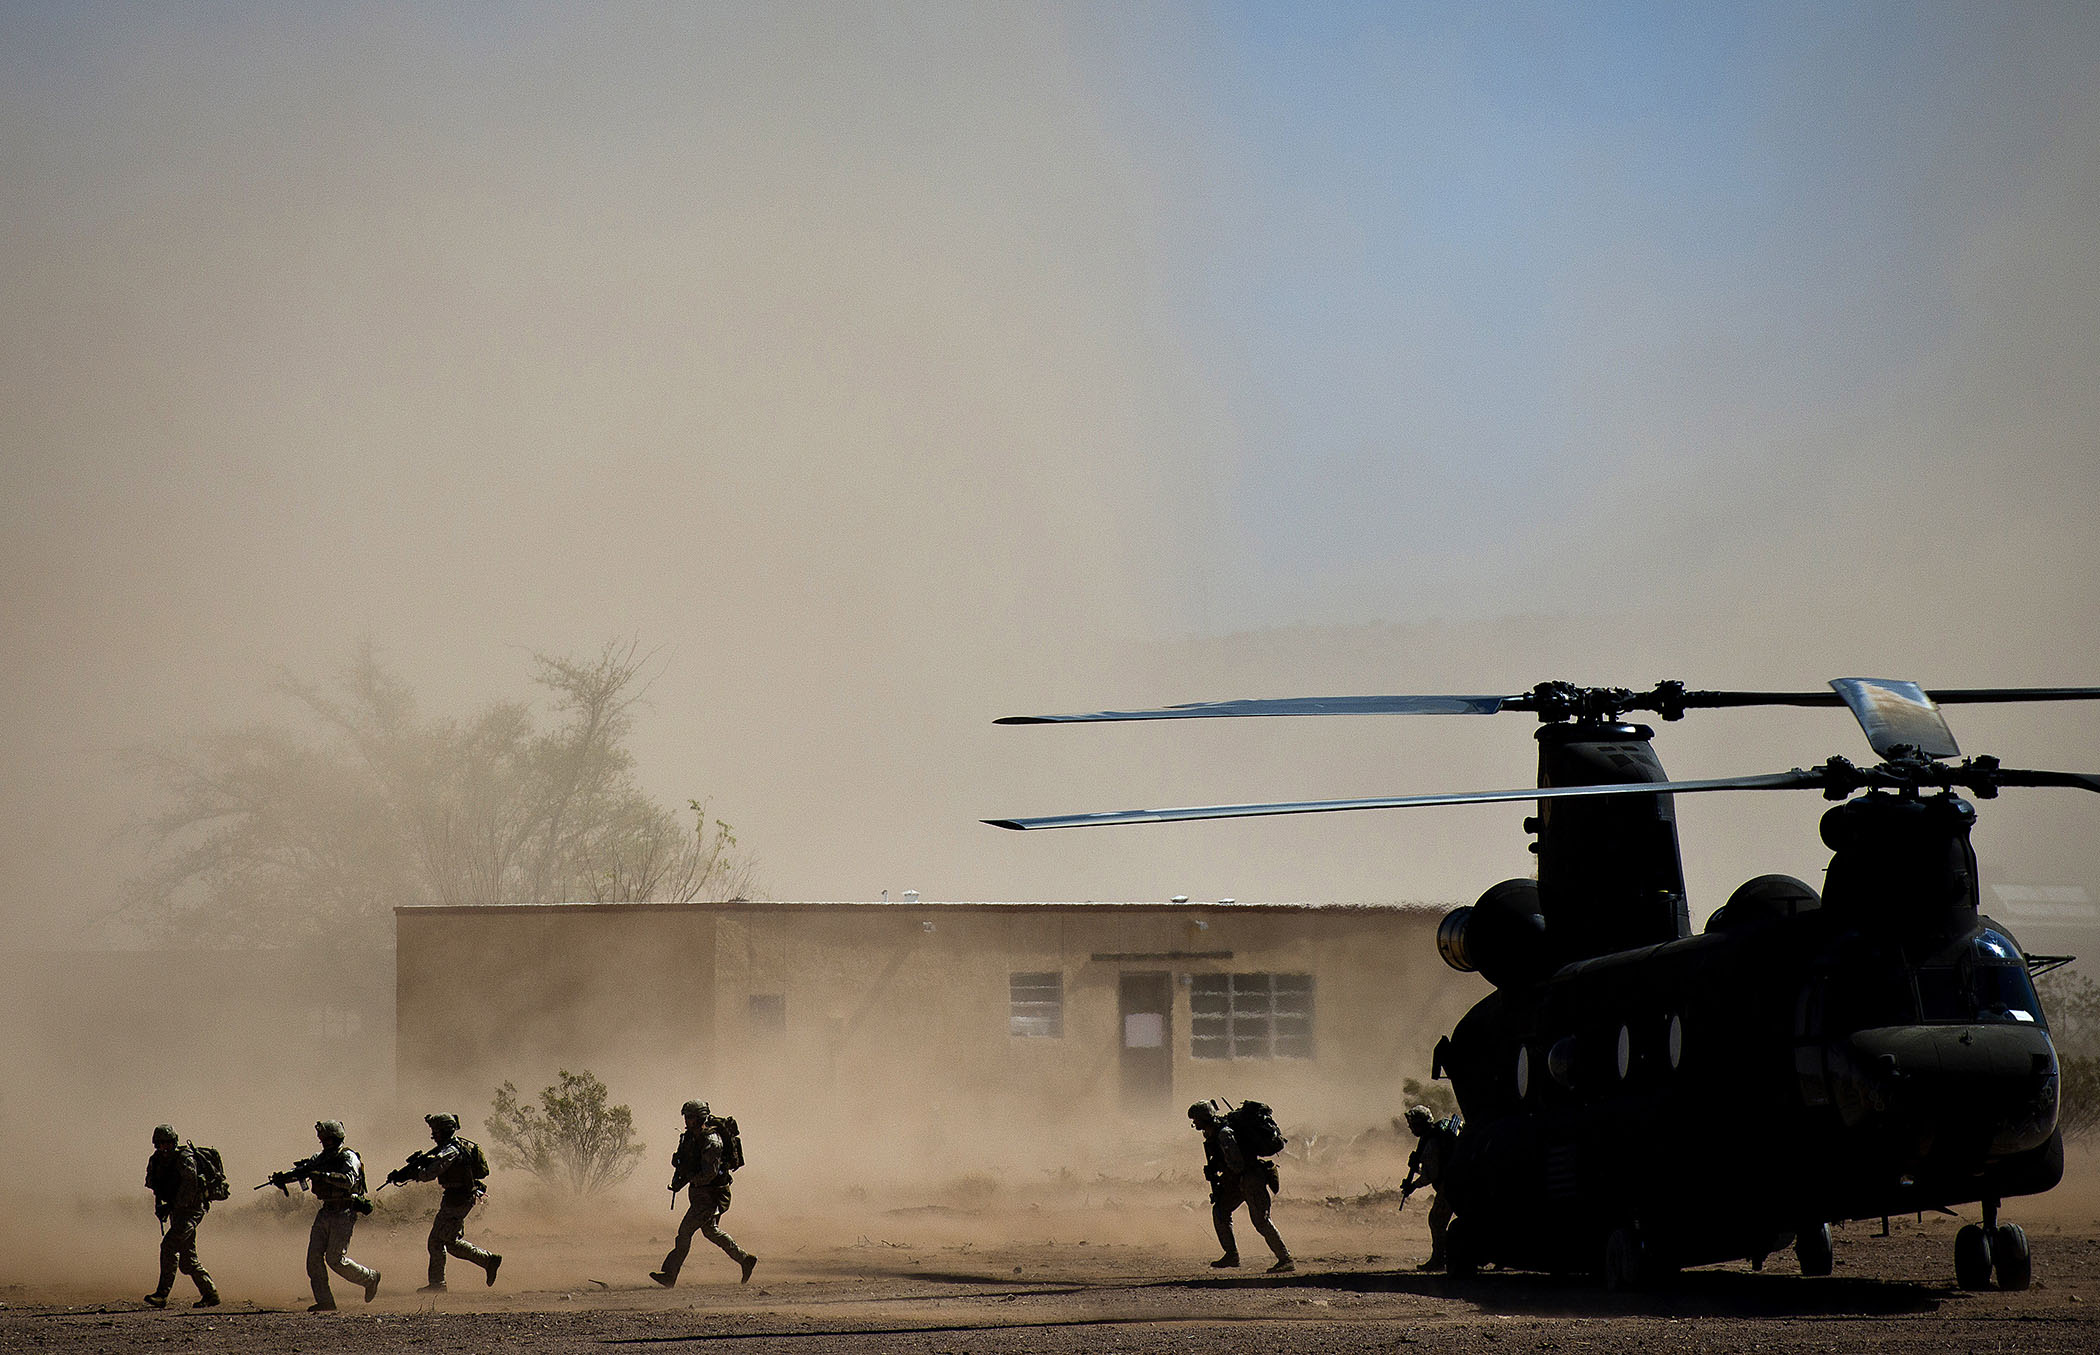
<point>434,1287</point>
<point>1229,1261</point>
<point>1284,1265</point>
<point>493,1262</point>
<point>749,1264</point>
<point>208,1299</point>
<point>372,1287</point>
<point>663,1279</point>
<point>155,1300</point>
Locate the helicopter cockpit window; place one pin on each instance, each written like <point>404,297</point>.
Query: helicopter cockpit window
<point>1987,982</point>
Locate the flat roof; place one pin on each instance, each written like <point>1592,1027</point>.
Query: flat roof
<point>781,905</point>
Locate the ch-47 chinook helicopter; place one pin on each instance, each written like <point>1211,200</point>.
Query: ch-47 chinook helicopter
<point>1638,1098</point>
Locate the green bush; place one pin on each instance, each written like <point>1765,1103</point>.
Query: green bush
<point>572,1140</point>
<point>2072,1003</point>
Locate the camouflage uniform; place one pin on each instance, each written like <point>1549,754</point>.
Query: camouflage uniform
<point>1237,1179</point>
<point>1426,1167</point>
<point>697,1166</point>
<point>178,1201</point>
<point>452,1165</point>
<point>338,1181</point>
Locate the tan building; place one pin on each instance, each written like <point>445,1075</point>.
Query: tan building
<point>1032,1008</point>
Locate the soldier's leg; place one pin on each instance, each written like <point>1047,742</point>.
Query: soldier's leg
<point>674,1259</point>
<point>317,1263</point>
<point>443,1229</point>
<point>711,1225</point>
<point>458,1245</point>
<point>169,1249</point>
<point>1222,1203</point>
<point>182,1231</point>
<point>341,1227</point>
<point>1439,1220</point>
<point>1256,1189</point>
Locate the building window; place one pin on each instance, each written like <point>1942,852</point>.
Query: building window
<point>1036,1005</point>
<point>335,1023</point>
<point>769,1015</point>
<point>1251,1016</point>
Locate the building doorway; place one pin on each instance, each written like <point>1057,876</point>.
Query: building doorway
<point>1146,1004</point>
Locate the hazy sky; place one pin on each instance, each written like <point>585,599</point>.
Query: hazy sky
<point>896,367</point>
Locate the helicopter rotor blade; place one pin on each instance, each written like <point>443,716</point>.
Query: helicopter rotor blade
<point>1794,780</point>
<point>2015,776</point>
<point>1561,701</point>
<point>1288,705</point>
<point>1897,717</point>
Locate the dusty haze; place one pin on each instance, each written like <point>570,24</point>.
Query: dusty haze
<point>895,371</point>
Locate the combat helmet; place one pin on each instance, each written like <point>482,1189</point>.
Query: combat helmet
<point>1203,1114</point>
<point>164,1133</point>
<point>331,1130</point>
<point>698,1108</point>
<point>444,1120</point>
<point>1419,1118</point>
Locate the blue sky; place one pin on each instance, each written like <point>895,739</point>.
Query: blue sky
<point>1418,247</point>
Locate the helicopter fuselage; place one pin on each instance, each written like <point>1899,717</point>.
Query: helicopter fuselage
<point>1876,1050</point>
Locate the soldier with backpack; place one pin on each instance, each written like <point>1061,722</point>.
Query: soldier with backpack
<point>1426,1167</point>
<point>459,1166</point>
<point>184,1179</point>
<point>708,1151</point>
<point>1235,1148</point>
<point>336,1175</point>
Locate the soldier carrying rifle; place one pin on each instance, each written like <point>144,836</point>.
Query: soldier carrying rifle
<point>337,1179</point>
<point>458,1165</point>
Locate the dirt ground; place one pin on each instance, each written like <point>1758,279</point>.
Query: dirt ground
<point>988,1265</point>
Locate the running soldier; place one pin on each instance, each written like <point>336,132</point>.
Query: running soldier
<point>337,1179</point>
<point>181,1198</point>
<point>703,1161</point>
<point>1426,1167</point>
<point>457,1164</point>
<point>1237,1178</point>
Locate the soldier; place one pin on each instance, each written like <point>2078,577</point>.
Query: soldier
<point>459,1165</point>
<point>180,1201</point>
<point>337,1179</point>
<point>1236,1179</point>
<point>1426,1167</point>
<point>699,1163</point>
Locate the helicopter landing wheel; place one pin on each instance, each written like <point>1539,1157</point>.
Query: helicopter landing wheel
<point>2010,1258</point>
<point>1972,1257</point>
<point>1625,1261</point>
<point>1814,1251</point>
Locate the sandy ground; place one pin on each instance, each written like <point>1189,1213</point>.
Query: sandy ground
<point>984,1265</point>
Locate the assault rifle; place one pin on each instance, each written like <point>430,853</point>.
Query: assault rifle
<point>407,1170</point>
<point>282,1180</point>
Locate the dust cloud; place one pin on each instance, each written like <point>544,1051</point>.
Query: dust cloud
<point>840,356</point>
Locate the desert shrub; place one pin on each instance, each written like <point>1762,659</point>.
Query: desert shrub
<point>572,1140</point>
<point>1440,1099</point>
<point>2072,1003</point>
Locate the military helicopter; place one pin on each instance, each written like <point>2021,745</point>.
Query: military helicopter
<point>1638,1098</point>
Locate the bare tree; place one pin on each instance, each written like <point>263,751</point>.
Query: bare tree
<point>271,835</point>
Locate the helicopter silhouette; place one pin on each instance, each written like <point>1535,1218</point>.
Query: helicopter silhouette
<point>1638,1098</point>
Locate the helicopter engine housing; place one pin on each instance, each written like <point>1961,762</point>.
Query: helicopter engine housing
<point>1502,937</point>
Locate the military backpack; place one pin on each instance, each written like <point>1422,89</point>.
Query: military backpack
<point>211,1170</point>
<point>1254,1126</point>
<point>732,1143</point>
<point>477,1160</point>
